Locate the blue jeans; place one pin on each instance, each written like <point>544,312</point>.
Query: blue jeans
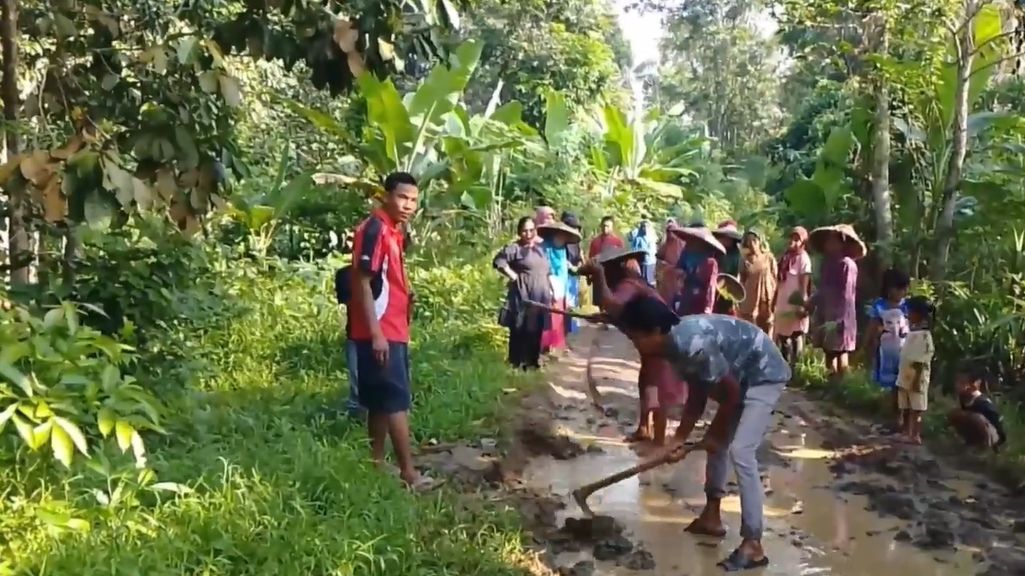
<point>353,407</point>
<point>747,435</point>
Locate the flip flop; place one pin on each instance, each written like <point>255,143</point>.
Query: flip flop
<point>737,561</point>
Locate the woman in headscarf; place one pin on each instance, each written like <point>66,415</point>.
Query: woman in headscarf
<point>575,257</point>
<point>698,271</point>
<point>555,238</point>
<point>729,263</point>
<point>667,278</point>
<point>834,300</point>
<point>525,264</point>
<point>544,215</point>
<point>793,275</point>
<point>758,275</point>
<point>644,238</point>
<point>617,279</point>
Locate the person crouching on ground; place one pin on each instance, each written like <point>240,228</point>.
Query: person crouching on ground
<point>915,368</point>
<point>976,421</point>
<point>617,278</point>
<point>380,325</point>
<point>737,364</point>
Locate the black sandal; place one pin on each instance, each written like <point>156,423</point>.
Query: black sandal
<point>737,561</point>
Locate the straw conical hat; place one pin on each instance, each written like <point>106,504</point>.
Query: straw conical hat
<point>856,249</point>
<point>553,228</point>
<point>612,254</point>
<point>702,234</point>
<point>732,286</point>
<point>728,229</point>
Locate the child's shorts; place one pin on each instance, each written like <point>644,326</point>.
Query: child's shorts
<point>915,401</point>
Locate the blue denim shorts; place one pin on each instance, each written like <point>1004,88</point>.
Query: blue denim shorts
<point>383,389</point>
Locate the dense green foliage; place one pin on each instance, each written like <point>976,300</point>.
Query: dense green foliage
<point>169,402</point>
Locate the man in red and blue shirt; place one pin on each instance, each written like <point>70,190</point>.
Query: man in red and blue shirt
<point>380,322</point>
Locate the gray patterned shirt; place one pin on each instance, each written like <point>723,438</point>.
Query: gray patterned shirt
<point>705,347</point>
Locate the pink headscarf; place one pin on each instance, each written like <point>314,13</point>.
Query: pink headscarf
<point>792,254</point>
<point>544,215</point>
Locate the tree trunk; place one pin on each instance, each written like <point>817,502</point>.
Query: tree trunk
<point>17,235</point>
<point>959,143</point>
<point>880,175</point>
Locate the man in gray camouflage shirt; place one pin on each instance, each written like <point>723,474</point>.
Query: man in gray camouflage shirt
<point>736,364</point>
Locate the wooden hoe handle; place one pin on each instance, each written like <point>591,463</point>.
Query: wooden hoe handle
<point>581,494</point>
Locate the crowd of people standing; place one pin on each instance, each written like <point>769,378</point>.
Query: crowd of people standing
<point>697,270</point>
<point>711,312</point>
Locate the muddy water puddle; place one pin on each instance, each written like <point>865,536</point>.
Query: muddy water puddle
<point>811,527</point>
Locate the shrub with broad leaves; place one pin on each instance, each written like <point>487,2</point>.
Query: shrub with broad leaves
<point>62,384</point>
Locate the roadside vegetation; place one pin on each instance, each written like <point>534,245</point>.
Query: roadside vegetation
<point>180,182</point>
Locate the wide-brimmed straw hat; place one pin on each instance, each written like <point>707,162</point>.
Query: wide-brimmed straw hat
<point>554,228</point>
<point>728,229</point>
<point>732,286</point>
<point>613,254</point>
<point>702,234</point>
<point>856,249</point>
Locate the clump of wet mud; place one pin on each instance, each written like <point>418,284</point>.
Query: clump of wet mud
<point>638,560</point>
<point>582,568</point>
<point>541,437</point>
<point>604,536</point>
<point>593,528</point>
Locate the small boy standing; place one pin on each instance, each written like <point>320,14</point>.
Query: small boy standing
<point>915,368</point>
<point>977,420</point>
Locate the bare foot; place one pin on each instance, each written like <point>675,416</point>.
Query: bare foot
<point>704,527</point>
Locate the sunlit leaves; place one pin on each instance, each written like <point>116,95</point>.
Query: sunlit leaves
<point>556,118</point>
<point>68,385</point>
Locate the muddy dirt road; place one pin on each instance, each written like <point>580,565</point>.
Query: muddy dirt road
<point>840,498</point>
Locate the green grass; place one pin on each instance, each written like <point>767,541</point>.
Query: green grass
<point>278,485</point>
<point>859,394</point>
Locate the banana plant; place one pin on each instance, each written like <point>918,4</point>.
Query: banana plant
<point>430,134</point>
<point>652,151</point>
<point>930,134</point>
<point>261,214</point>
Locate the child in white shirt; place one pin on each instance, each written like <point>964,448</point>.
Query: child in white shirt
<point>915,368</point>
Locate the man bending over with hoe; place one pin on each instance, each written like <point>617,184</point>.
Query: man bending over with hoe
<point>736,364</point>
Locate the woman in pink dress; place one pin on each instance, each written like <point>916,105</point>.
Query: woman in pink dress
<point>555,237</point>
<point>834,300</point>
<point>794,277</point>
<point>617,279</point>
